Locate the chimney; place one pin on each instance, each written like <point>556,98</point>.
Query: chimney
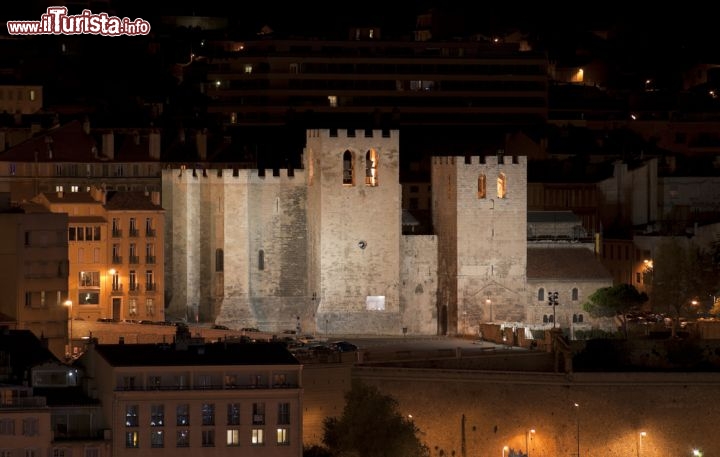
<point>201,144</point>
<point>154,145</point>
<point>155,197</point>
<point>108,145</point>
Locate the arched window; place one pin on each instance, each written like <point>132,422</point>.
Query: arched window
<point>575,294</point>
<point>371,163</point>
<point>545,319</point>
<point>575,318</point>
<point>501,185</point>
<point>541,294</point>
<point>219,260</point>
<point>551,318</point>
<point>482,187</point>
<point>347,168</point>
<point>580,317</point>
<point>261,259</point>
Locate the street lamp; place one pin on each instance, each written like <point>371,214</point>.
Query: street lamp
<point>527,441</point>
<point>697,453</point>
<point>577,419</point>
<point>640,438</point>
<point>553,301</point>
<point>69,304</point>
<point>504,450</point>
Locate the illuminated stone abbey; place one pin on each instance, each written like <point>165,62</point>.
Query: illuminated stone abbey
<point>323,246</point>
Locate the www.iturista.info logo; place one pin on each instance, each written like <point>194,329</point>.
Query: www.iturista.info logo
<point>57,22</point>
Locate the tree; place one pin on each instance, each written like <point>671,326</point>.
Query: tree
<point>370,425</point>
<point>677,276</point>
<point>615,301</point>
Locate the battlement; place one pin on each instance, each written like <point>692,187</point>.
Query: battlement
<point>352,133</point>
<point>481,160</point>
<point>184,172</point>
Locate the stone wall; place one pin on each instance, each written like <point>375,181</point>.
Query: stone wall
<point>418,294</point>
<point>499,409</point>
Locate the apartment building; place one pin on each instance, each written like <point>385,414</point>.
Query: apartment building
<point>115,251</point>
<point>34,271</point>
<point>193,397</point>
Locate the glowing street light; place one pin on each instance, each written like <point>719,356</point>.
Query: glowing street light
<point>577,419</point>
<point>504,450</point>
<point>527,441</point>
<point>640,438</point>
<point>697,453</point>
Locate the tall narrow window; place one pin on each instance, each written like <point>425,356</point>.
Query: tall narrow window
<point>261,260</point>
<point>541,294</point>
<point>371,163</point>
<point>501,185</point>
<point>219,260</point>
<point>482,193</point>
<point>574,294</point>
<point>347,168</point>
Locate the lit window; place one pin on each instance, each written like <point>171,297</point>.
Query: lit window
<point>481,193</point>
<point>332,99</point>
<point>371,161</point>
<point>282,436</point>
<point>132,439</point>
<point>183,438</point>
<point>501,185</point>
<point>248,68</point>
<point>257,436</point>
<point>233,437</point>
<point>32,95</point>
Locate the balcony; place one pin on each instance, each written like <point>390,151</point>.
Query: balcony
<point>150,233</point>
<point>117,259</point>
<point>134,289</point>
<point>150,287</point>
<point>150,260</point>
<point>134,259</point>
<point>134,233</point>
<point>117,289</point>
<point>117,233</point>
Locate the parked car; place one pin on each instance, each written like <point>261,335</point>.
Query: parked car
<point>249,329</point>
<point>220,327</point>
<point>344,346</point>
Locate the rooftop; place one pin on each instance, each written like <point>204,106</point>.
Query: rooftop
<point>207,354</point>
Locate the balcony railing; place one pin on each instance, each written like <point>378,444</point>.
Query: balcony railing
<point>150,259</point>
<point>204,387</point>
<point>134,259</point>
<point>117,289</point>
<point>117,259</point>
<point>134,289</point>
<point>150,232</point>
<point>134,233</point>
<point>151,287</point>
<point>117,233</point>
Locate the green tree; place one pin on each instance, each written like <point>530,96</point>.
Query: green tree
<point>678,272</point>
<point>371,425</point>
<point>615,301</point>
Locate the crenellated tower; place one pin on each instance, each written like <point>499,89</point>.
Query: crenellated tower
<point>354,230</point>
<point>480,217</point>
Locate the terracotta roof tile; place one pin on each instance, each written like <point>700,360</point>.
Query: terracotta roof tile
<point>130,200</point>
